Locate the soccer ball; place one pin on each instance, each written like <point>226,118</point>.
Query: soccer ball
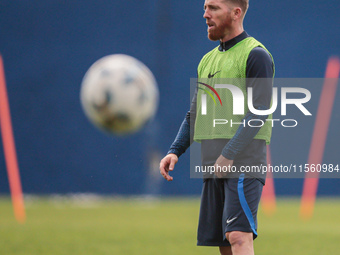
<point>119,94</point>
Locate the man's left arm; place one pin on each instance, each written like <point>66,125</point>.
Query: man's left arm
<point>259,65</point>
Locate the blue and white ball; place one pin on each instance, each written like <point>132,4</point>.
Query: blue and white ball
<point>119,94</point>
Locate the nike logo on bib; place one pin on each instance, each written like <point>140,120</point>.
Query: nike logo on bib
<point>212,75</point>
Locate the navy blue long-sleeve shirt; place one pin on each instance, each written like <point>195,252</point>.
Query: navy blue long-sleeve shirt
<point>259,65</point>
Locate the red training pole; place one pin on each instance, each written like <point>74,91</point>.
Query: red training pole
<point>319,136</point>
<point>9,150</point>
<point>268,199</point>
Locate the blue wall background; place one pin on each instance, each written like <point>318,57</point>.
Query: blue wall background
<point>47,46</point>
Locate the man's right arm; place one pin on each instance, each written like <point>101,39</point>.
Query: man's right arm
<point>185,134</point>
<point>181,143</point>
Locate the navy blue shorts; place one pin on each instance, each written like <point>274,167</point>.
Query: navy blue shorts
<point>228,205</point>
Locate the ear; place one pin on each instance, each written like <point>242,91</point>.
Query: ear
<point>236,13</point>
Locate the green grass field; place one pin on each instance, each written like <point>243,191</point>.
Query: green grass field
<point>138,226</point>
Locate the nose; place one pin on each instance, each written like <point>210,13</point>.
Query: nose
<point>206,14</point>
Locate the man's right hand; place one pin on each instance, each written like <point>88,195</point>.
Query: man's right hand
<point>168,164</point>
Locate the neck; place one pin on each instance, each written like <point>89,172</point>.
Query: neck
<point>232,33</point>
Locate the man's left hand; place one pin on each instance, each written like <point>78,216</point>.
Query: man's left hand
<point>222,164</point>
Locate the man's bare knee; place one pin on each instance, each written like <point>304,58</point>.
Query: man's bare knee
<point>237,238</point>
<point>225,250</point>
